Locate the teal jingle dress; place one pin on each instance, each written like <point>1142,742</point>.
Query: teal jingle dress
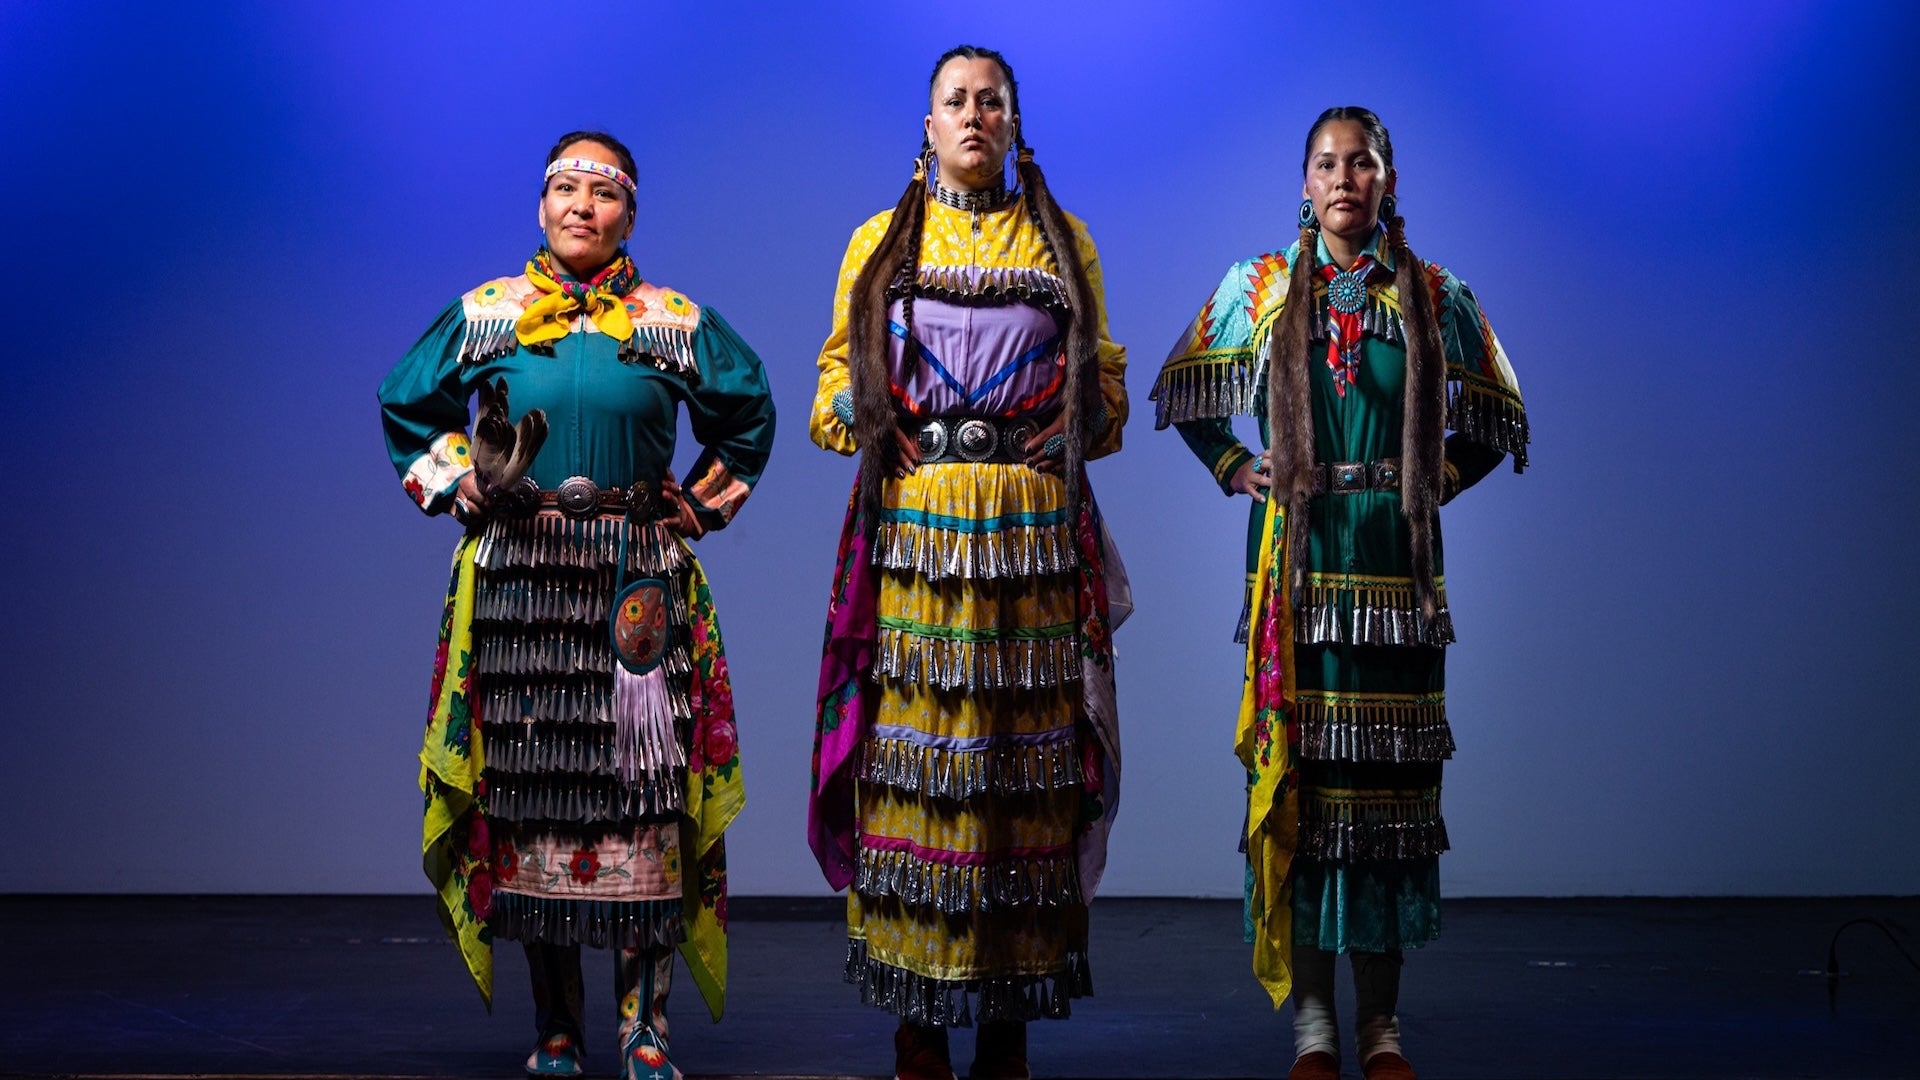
<point>1366,704</point>
<point>540,827</point>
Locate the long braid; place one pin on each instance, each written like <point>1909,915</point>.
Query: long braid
<point>874,420</point>
<point>1080,391</point>
<point>1290,434</point>
<point>1422,445</point>
<point>909,274</point>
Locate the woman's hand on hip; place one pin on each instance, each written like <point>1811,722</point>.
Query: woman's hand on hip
<point>1254,477</point>
<point>909,451</point>
<point>1047,451</point>
<point>678,515</point>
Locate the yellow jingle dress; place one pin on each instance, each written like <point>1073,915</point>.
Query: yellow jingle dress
<point>966,759</point>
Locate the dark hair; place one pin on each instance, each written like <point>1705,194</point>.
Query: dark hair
<point>619,150</point>
<point>1422,421</point>
<point>897,257</point>
<point>1370,124</point>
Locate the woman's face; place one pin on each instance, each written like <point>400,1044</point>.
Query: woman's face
<point>972,123</point>
<point>1346,180</point>
<point>586,217</point>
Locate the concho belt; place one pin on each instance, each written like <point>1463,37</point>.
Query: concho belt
<point>579,498</point>
<point>1350,477</point>
<point>978,439</point>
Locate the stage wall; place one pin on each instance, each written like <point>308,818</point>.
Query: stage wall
<point>1685,633</point>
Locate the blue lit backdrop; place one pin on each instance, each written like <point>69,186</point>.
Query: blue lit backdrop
<point>1685,634</point>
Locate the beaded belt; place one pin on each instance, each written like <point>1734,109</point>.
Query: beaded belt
<point>1349,477</point>
<point>580,498</point>
<point>999,439</point>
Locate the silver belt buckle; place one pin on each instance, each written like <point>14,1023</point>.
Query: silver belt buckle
<point>522,499</point>
<point>578,497</point>
<point>640,501</point>
<point>1347,477</point>
<point>932,439</point>
<point>976,440</point>
<point>1018,436</point>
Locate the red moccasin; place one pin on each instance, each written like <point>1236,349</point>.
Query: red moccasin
<point>1318,1065</point>
<point>1387,1065</point>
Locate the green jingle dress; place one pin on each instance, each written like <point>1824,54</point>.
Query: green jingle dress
<point>1352,763</point>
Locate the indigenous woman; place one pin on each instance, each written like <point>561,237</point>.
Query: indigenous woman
<point>580,762</point>
<point>966,759</point>
<point>1357,358</point>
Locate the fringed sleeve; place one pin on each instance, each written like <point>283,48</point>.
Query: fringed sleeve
<point>833,398</point>
<point>1213,370</point>
<point>423,410</point>
<point>1112,356</point>
<point>731,412</point>
<point>1483,395</point>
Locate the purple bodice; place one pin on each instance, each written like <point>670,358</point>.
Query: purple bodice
<point>977,360</point>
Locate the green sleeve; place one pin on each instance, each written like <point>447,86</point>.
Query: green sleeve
<point>1213,442</point>
<point>1466,463</point>
<point>423,412</point>
<point>731,412</point>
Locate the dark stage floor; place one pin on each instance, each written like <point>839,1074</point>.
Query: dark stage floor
<point>366,986</point>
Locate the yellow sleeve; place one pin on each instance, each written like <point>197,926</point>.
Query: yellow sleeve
<point>826,427</point>
<point>1112,356</point>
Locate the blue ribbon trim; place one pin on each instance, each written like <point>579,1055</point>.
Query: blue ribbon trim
<point>973,397</point>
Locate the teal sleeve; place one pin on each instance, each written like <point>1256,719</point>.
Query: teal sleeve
<point>731,413</point>
<point>423,413</point>
<point>1213,442</point>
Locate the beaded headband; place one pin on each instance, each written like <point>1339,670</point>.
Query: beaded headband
<point>597,168</point>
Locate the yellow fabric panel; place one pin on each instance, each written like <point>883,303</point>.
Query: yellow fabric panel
<point>1273,812</point>
<point>448,778</point>
<point>988,823</point>
<point>1008,238</point>
<point>1028,940</point>
<point>975,491</point>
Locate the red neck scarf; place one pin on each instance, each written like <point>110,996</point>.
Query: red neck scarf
<point>1346,301</point>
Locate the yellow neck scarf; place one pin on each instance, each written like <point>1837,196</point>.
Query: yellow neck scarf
<point>603,299</point>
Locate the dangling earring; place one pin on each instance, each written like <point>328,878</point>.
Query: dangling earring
<point>1389,208</point>
<point>920,166</point>
<point>1308,219</point>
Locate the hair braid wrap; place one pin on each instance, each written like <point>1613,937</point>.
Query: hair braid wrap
<point>1080,390</point>
<point>874,416</point>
